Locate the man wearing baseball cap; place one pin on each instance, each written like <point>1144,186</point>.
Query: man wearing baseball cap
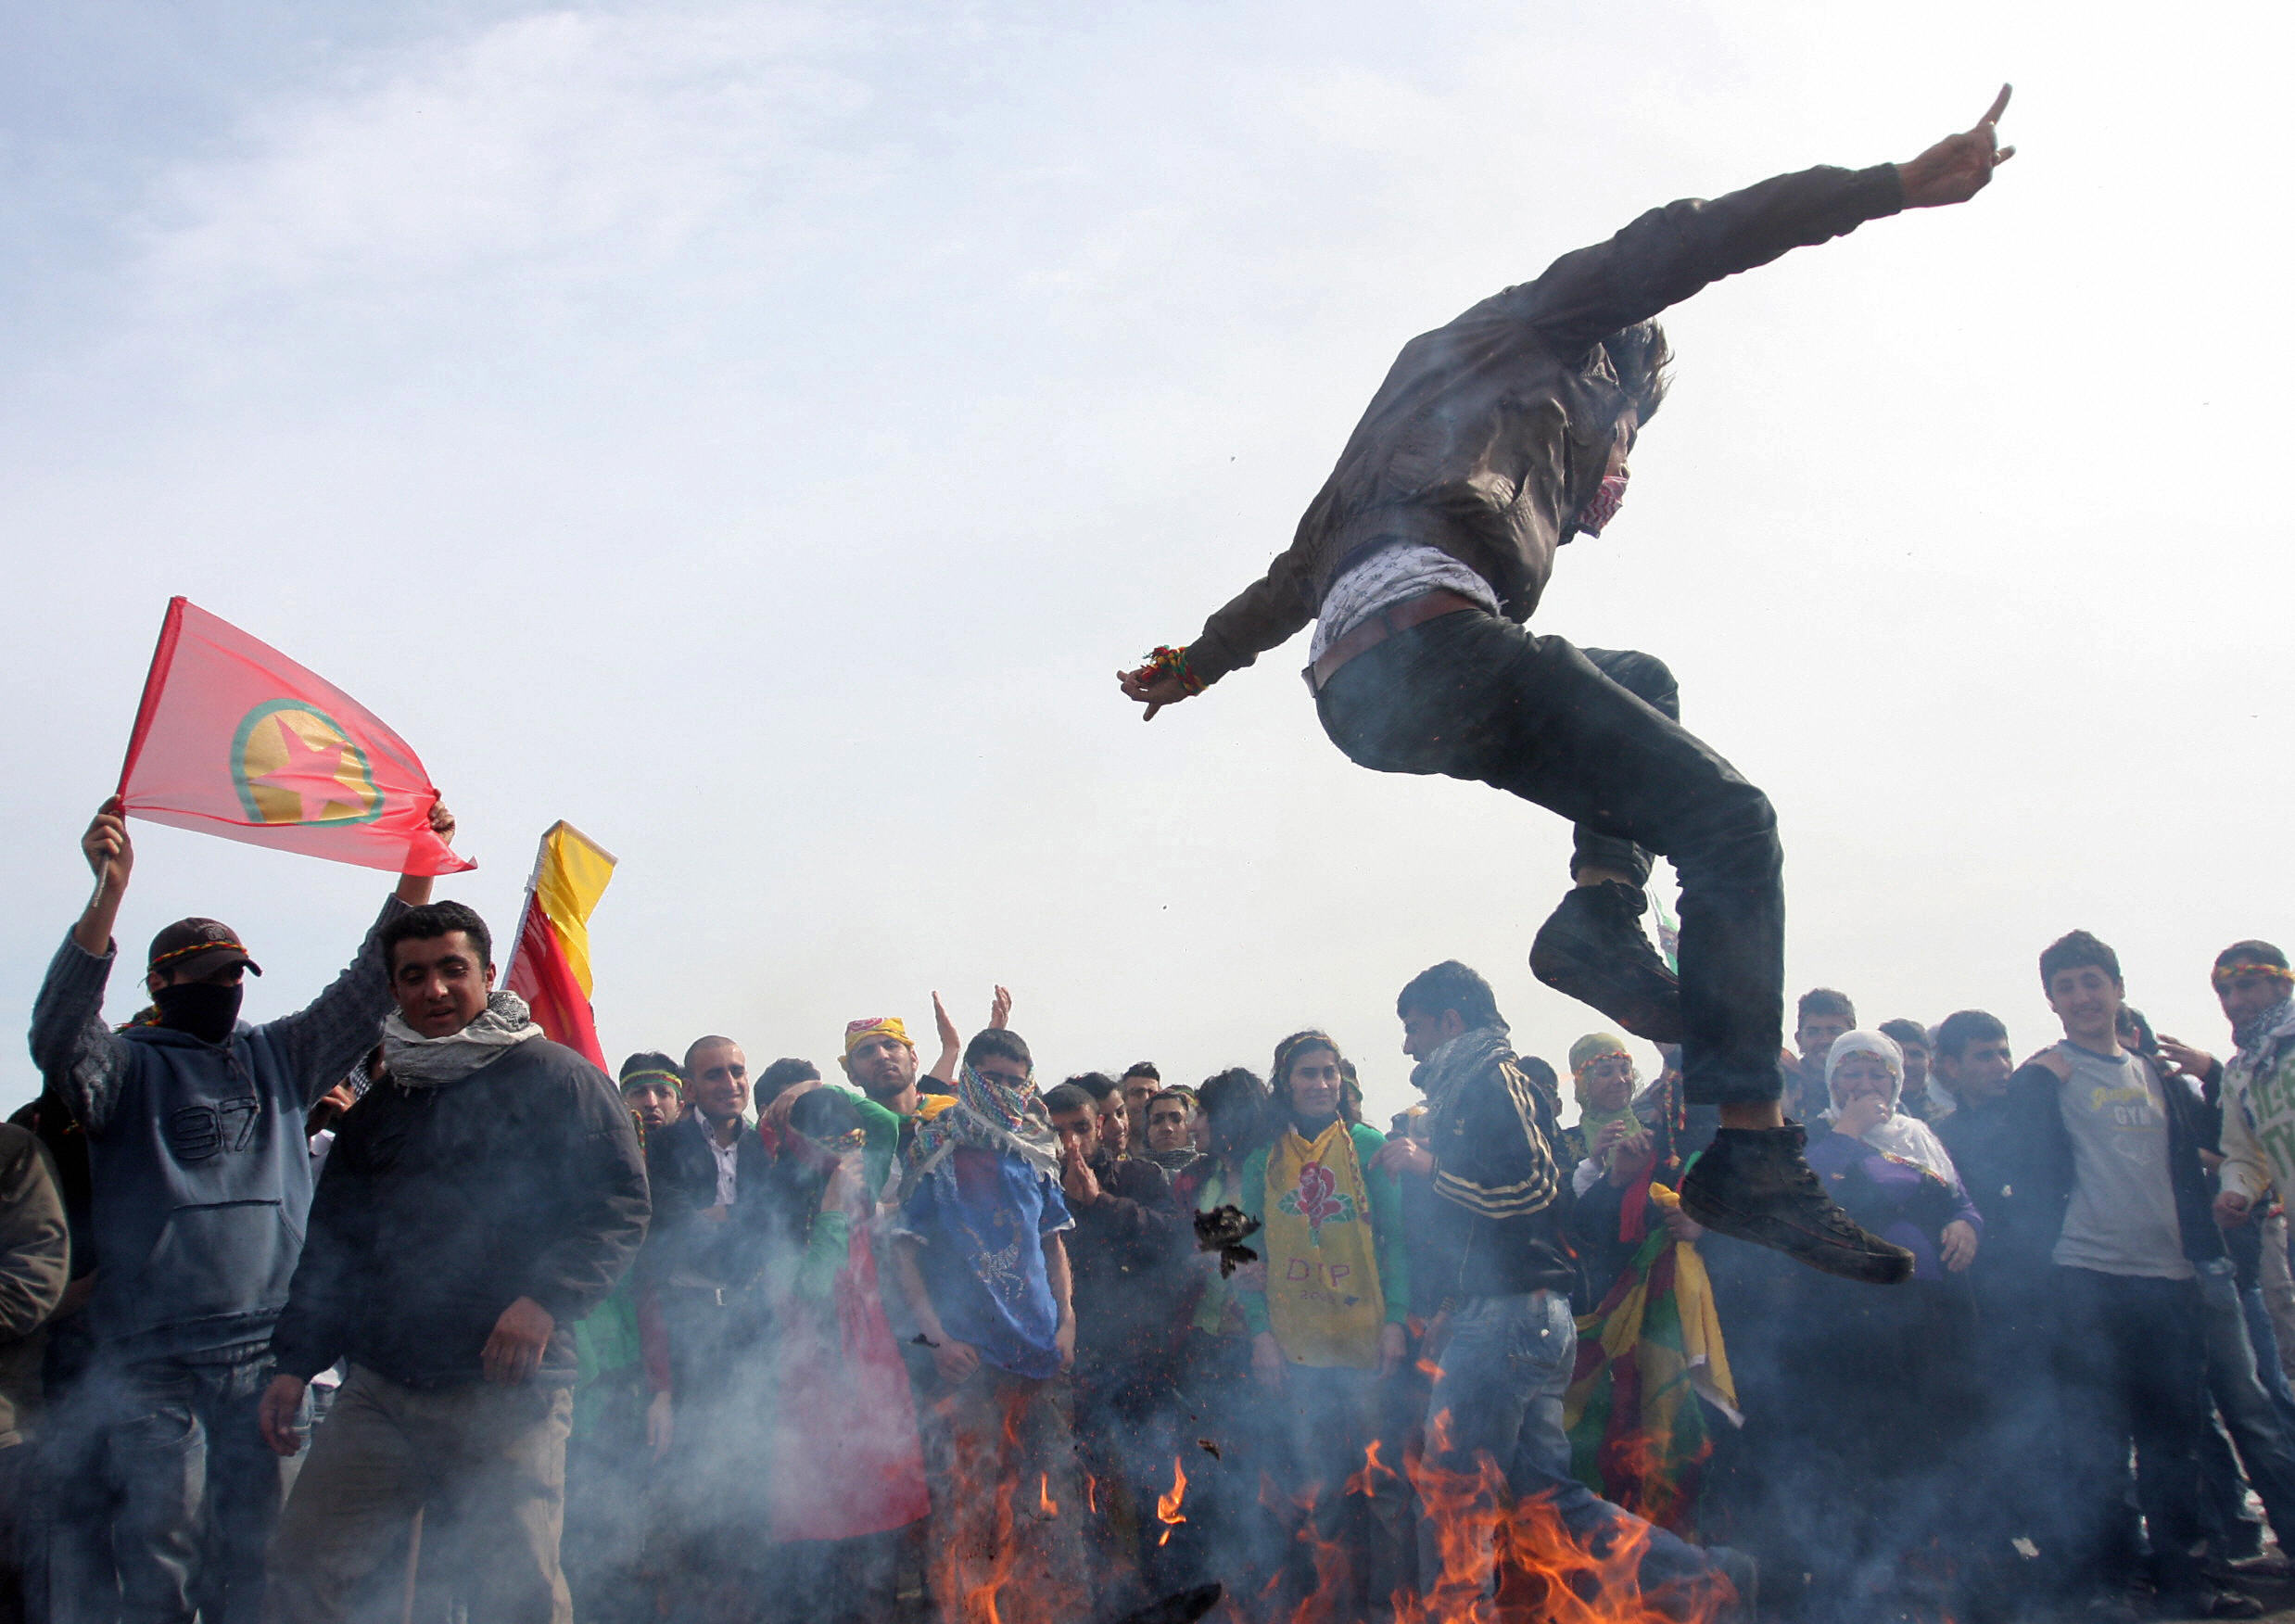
<point>202,1185</point>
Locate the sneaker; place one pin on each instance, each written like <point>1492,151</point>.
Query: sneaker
<point>1594,950</point>
<point>2212,1603</point>
<point>1754,1185</point>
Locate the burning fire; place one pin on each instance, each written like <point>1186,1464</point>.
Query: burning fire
<point>1167,1506</point>
<point>1044,1502</point>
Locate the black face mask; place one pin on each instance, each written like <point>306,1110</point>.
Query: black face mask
<point>206,1010</point>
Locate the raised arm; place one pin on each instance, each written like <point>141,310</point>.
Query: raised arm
<point>75,1051</point>
<point>1669,253</point>
<point>325,1038</point>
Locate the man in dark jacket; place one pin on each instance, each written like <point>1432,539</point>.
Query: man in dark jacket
<point>695,1275</point>
<point>201,1179</point>
<point>482,1197</point>
<point>1505,1342</point>
<point>1492,442</point>
<point>1127,1258</point>
<point>2108,1209</point>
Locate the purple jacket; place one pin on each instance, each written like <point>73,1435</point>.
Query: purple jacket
<point>1897,1200</point>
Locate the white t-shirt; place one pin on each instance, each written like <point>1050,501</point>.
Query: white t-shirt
<point>1389,576</point>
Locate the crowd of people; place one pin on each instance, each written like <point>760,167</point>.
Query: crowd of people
<point>394,1307</point>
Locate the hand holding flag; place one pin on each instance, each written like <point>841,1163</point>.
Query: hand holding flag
<point>234,738</point>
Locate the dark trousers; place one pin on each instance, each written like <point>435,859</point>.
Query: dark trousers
<point>2130,1363</point>
<point>199,1489</point>
<point>1591,734</point>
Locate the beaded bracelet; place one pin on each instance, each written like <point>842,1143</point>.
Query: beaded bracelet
<point>1171,662</point>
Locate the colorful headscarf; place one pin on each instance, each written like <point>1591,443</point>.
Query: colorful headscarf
<point>1598,1046</point>
<point>987,1114</point>
<point>1593,1047</point>
<point>859,1032</point>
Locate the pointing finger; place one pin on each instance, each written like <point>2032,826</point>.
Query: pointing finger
<point>1999,105</point>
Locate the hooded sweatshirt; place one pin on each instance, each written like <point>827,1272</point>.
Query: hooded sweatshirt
<point>202,1172</point>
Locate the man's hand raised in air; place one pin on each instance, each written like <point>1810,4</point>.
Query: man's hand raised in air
<point>1958,167</point>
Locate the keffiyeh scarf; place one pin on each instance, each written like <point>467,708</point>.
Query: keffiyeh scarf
<point>987,1114</point>
<point>425,1062</point>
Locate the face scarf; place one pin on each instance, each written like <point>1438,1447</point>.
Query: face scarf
<point>988,1114</point>
<point>2264,1023</point>
<point>1603,506</point>
<point>425,1062</point>
<point>206,1010</point>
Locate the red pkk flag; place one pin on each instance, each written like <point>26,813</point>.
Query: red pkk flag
<point>550,965</point>
<point>234,738</point>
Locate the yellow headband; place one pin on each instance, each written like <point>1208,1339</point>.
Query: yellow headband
<point>2224,974</point>
<point>859,1032</point>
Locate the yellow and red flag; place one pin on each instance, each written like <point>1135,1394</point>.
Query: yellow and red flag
<point>550,966</point>
<point>234,738</point>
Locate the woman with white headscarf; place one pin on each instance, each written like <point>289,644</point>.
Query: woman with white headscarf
<point>1873,1368</point>
<point>1931,1216</point>
<point>1898,1132</point>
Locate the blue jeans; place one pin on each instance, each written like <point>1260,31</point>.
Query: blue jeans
<point>2245,1409</point>
<point>199,1489</point>
<point>1503,1374</point>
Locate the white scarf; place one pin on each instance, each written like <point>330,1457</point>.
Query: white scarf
<point>425,1062</point>
<point>1903,1135</point>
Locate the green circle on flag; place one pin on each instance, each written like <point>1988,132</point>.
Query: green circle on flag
<point>292,763</point>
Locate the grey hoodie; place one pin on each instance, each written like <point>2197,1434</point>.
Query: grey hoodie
<point>202,1174</point>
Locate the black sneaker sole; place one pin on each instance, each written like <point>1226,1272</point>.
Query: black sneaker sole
<point>1651,1012</point>
<point>1875,1264</point>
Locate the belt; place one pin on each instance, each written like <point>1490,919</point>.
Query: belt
<point>1380,625</point>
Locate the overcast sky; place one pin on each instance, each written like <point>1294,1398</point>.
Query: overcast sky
<point>757,434</point>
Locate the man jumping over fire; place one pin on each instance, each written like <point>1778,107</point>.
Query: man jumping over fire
<point>1493,441</point>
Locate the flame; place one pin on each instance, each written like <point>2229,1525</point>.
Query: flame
<point>1091,1493</point>
<point>1167,1506</point>
<point>1541,1570</point>
<point>1366,1483</point>
<point>1044,1502</point>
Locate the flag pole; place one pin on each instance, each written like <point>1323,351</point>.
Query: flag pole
<point>162,655</point>
<point>533,881</point>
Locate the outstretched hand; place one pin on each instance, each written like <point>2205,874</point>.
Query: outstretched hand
<point>1153,686</point>
<point>1958,167</point>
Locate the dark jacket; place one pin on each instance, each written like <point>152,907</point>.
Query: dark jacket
<point>1127,1259</point>
<point>35,1261</point>
<point>202,1169</point>
<point>2033,1184</point>
<point>442,1206</point>
<point>1502,1203</point>
<point>681,1250</point>
<point>1491,434</point>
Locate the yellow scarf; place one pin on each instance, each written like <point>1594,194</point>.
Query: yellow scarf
<point>1323,1295</point>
